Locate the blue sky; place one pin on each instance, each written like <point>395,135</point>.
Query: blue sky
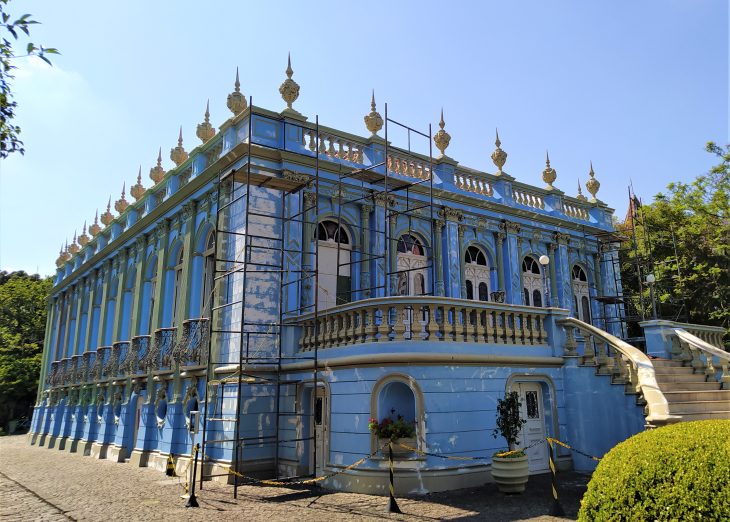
<point>636,87</point>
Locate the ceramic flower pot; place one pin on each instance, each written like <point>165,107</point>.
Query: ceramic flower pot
<point>510,473</point>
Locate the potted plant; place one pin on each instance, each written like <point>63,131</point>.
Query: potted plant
<point>510,468</point>
<point>396,430</point>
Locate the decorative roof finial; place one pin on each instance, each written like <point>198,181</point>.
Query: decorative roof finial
<point>593,185</point>
<point>121,204</point>
<point>94,229</point>
<point>73,247</point>
<point>178,154</point>
<point>499,157</point>
<point>580,196</point>
<point>138,190</point>
<point>83,238</point>
<point>107,217</point>
<point>289,90</point>
<point>63,256</point>
<point>205,130</point>
<point>157,172</point>
<point>236,101</point>
<point>549,175</point>
<point>442,138</point>
<point>373,121</point>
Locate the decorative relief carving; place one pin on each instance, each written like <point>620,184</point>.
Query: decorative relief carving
<point>296,177</point>
<point>512,228</point>
<point>451,214</point>
<point>561,238</point>
<point>380,200</point>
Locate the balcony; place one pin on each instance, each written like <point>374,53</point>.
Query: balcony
<point>424,318</point>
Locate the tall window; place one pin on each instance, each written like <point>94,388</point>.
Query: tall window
<point>581,296</point>
<point>177,290</point>
<point>476,273</point>
<point>208,275</point>
<point>333,264</point>
<point>411,265</point>
<point>153,287</point>
<point>532,282</point>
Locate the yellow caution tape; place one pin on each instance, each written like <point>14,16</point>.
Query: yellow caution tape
<point>314,480</point>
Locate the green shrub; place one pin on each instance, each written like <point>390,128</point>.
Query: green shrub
<point>678,472</point>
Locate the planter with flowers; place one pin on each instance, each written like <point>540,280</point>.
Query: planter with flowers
<point>396,430</point>
<point>510,468</point>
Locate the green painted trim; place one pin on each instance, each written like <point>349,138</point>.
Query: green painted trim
<point>104,297</point>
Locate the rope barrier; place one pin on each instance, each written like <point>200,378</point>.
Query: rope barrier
<point>447,457</point>
<point>568,446</point>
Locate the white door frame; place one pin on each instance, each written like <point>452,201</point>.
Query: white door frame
<point>532,409</point>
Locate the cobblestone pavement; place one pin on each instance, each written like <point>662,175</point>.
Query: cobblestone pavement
<point>42,484</point>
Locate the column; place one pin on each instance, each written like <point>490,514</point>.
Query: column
<point>554,301</point>
<point>308,246</point>
<point>163,231</point>
<point>79,306</point>
<point>50,315</point>
<point>183,310</point>
<point>392,255</point>
<point>140,268</point>
<point>379,246</point>
<point>105,272</point>
<point>438,257</point>
<point>597,273</point>
<point>61,303</point>
<point>564,291</point>
<point>500,236</point>
<point>366,283</point>
<point>121,288</point>
<point>462,261</point>
<point>514,282</point>
<point>90,311</point>
<point>453,264</point>
<point>65,352</point>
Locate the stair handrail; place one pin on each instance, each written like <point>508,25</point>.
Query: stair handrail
<point>656,402</point>
<point>709,351</point>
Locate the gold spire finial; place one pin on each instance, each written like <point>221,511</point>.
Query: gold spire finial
<point>580,195</point>
<point>107,217</point>
<point>593,185</point>
<point>205,130</point>
<point>499,157</point>
<point>121,204</point>
<point>83,238</point>
<point>94,229</point>
<point>138,190</point>
<point>178,154</point>
<point>63,256</point>
<point>236,101</point>
<point>73,248</point>
<point>289,90</point>
<point>442,138</point>
<point>549,175</point>
<point>157,172</point>
<point>373,120</point>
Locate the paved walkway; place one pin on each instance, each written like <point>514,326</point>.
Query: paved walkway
<point>42,484</point>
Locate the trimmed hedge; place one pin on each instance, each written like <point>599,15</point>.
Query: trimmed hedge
<point>677,472</point>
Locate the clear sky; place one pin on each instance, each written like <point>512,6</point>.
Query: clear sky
<point>637,87</point>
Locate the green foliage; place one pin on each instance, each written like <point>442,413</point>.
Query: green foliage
<point>392,429</point>
<point>22,325</point>
<point>9,140</point>
<point>509,422</point>
<point>678,472</point>
<point>692,283</point>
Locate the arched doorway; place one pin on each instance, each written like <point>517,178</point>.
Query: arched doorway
<point>476,274</point>
<point>334,274</point>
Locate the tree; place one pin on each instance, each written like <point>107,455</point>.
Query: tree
<point>22,325</point>
<point>684,240</point>
<point>9,133</point>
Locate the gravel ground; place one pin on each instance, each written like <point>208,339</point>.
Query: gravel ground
<point>42,484</point>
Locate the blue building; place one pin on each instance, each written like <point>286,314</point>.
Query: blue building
<point>285,282</point>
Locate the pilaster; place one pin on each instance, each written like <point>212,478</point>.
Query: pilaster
<point>122,272</point>
<point>67,328</point>
<point>50,315</point>
<point>88,343</point>
<point>138,296</point>
<point>162,231</point>
<point>554,301</point>
<point>499,239</point>
<point>79,306</point>
<point>462,261</point>
<point>105,272</point>
<point>366,283</point>
<point>183,309</point>
<point>512,231</point>
<point>438,256</point>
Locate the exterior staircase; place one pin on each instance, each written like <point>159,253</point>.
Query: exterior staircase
<point>689,394</point>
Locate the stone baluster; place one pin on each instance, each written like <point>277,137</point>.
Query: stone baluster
<point>697,362</point>
<point>384,327</point>
<point>710,372</point>
<point>725,377</point>
<point>569,341</point>
<point>370,327</point>
<point>589,351</point>
<point>399,327</point>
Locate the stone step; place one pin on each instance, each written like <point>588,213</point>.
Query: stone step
<point>688,386</point>
<point>664,363</point>
<point>673,370</point>
<point>686,417</point>
<point>688,396</point>
<point>682,377</point>
<point>698,406</point>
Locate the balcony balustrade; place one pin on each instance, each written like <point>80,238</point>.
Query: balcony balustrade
<point>424,318</point>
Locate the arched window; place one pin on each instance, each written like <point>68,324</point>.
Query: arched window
<point>208,275</point>
<point>411,265</point>
<point>177,289</point>
<point>581,295</point>
<point>333,263</point>
<point>532,282</point>
<point>476,273</point>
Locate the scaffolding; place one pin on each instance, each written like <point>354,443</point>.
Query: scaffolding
<point>257,246</point>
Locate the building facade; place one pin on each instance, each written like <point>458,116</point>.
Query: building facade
<point>285,282</point>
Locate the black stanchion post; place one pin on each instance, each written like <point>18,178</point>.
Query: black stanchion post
<point>393,505</point>
<point>557,510</point>
<point>192,501</point>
